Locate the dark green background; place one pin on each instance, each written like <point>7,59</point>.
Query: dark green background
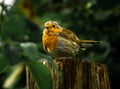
<point>89,19</point>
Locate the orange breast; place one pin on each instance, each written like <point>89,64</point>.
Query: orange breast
<point>49,41</point>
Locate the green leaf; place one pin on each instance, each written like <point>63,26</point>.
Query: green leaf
<point>3,62</point>
<point>14,76</point>
<point>12,52</point>
<point>30,50</point>
<point>41,75</point>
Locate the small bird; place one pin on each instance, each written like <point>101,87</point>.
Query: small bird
<point>61,42</point>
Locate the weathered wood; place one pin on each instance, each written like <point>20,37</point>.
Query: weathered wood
<point>80,74</point>
<point>77,74</point>
<point>30,83</point>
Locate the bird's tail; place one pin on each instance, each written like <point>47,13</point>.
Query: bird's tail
<point>84,43</point>
<point>90,41</point>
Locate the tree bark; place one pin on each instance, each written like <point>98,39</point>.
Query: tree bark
<point>78,74</point>
<point>30,83</point>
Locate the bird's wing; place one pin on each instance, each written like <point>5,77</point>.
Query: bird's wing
<point>71,36</point>
<point>67,34</point>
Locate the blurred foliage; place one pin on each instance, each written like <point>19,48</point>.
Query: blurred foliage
<point>40,73</point>
<point>21,26</point>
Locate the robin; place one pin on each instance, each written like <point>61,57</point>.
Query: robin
<point>61,42</point>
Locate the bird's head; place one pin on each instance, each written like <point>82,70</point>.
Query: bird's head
<point>52,24</point>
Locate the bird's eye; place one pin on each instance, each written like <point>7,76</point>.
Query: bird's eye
<point>53,25</point>
<point>46,27</point>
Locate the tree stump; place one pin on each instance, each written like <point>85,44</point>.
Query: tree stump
<point>30,83</point>
<point>79,74</point>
